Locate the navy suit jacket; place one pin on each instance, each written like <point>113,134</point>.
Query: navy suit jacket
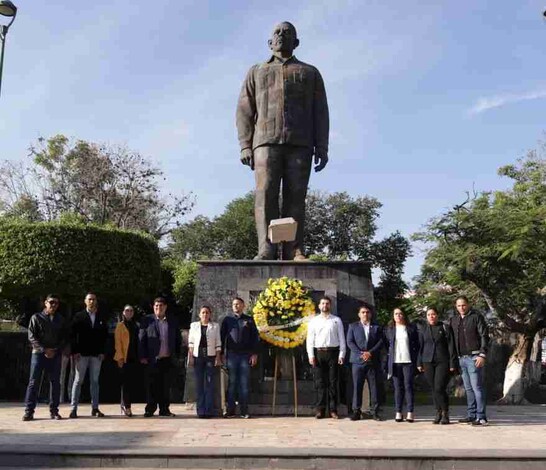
<point>149,342</point>
<point>414,345</point>
<point>356,341</point>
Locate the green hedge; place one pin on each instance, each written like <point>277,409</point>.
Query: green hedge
<point>70,259</point>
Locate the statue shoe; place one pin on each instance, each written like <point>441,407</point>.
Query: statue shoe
<point>264,256</point>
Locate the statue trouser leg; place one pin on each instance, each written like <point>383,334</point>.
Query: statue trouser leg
<point>268,170</point>
<point>295,179</point>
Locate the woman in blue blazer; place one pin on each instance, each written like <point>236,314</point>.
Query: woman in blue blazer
<point>402,341</point>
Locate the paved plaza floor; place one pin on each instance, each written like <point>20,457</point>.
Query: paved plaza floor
<point>513,432</point>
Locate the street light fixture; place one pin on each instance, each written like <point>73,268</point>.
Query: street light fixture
<point>9,10</point>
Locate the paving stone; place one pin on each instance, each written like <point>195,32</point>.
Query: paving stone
<point>516,438</point>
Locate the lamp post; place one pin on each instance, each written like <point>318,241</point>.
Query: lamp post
<point>9,10</point>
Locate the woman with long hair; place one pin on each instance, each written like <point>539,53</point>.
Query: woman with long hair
<point>402,341</point>
<point>204,355</point>
<point>437,359</point>
<point>126,356</point>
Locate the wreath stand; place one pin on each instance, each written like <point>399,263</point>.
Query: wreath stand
<point>294,381</point>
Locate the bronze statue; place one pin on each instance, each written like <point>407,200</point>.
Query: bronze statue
<point>282,121</point>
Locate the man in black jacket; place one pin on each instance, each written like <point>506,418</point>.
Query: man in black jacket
<point>471,341</point>
<point>47,333</point>
<point>89,336</point>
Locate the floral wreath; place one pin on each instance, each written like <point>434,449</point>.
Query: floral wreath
<point>281,312</point>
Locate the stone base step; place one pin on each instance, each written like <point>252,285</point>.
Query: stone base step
<point>315,459</point>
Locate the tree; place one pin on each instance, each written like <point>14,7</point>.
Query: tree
<point>339,226</point>
<point>70,259</point>
<point>185,274</point>
<point>102,184</point>
<point>496,243</point>
<point>390,256</point>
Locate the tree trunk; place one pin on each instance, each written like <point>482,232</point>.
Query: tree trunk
<point>515,375</point>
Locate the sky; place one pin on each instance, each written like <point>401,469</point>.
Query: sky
<point>427,98</point>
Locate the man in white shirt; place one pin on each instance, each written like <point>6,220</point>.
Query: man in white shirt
<point>326,350</point>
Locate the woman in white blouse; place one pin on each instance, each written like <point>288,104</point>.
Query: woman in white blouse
<point>204,355</point>
<point>402,341</point>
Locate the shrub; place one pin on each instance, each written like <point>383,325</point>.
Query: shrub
<point>70,259</point>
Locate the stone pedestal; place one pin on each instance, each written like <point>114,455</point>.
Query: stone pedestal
<point>347,283</point>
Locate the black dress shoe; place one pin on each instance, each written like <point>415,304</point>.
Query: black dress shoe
<point>167,414</point>
<point>467,420</point>
<point>73,414</point>
<point>56,416</point>
<point>319,414</point>
<point>28,416</point>
<point>148,414</point>
<point>355,416</point>
<point>97,413</point>
<point>445,418</point>
<point>438,417</point>
<point>376,417</point>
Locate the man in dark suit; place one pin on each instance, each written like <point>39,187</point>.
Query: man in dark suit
<point>89,336</point>
<point>365,341</point>
<point>158,342</point>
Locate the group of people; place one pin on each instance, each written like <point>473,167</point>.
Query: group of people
<point>437,349</point>
<point>154,342</point>
<point>55,342</point>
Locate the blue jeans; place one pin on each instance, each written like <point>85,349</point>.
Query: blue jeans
<point>82,364</point>
<point>238,379</point>
<point>38,362</point>
<point>473,385</point>
<point>204,371</point>
<point>402,379</point>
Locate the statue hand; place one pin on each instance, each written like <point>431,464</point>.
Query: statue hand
<point>247,158</point>
<point>321,159</point>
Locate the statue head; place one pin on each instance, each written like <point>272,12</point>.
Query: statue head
<point>284,38</point>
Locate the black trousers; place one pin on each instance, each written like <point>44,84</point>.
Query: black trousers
<point>361,373</point>
<point>129,382</point>
<point>437,375</point>
<point>158,384</point>
<point>326,377</point>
